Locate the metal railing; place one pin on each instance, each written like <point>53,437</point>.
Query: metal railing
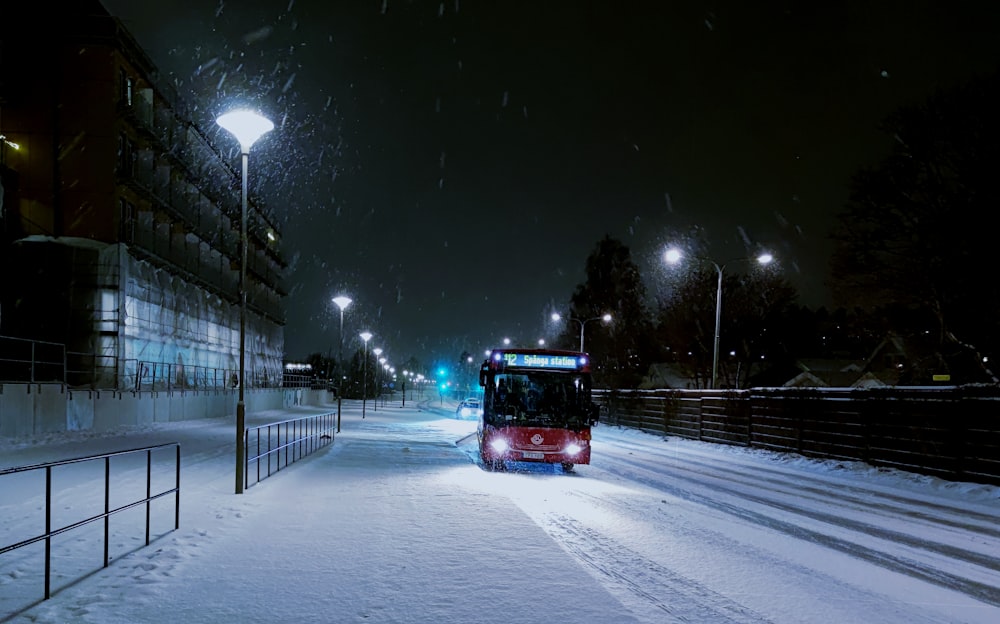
<point>50,532</point>
<point>285,443</point>
<point>39,362</point>
<point>32,361</point>
<point>313,382</point>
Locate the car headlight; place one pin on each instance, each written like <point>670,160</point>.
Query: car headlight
<point>499,445</point>
<point>573,449</point>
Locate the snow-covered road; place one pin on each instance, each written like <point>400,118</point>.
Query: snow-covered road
<point>396,522</point>
<point>718,534</point>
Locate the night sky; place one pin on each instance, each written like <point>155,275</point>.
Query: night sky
<point>450,165</point>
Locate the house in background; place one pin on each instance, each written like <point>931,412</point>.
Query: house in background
<point>829,373</point>
<point>895,361</point>
<point>666,375</point>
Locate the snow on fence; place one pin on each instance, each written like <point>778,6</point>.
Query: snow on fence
<point>952,433</point>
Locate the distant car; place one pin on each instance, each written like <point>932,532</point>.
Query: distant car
<point>469,409</point>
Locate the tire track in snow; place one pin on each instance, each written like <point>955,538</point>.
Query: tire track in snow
<point>958,517</point>
<point>989,594</point>
<point>876,608</point>
<point>657,586</point>
<point>973,557</point>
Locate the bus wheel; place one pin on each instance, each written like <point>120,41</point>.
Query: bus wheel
<point>567,467</point>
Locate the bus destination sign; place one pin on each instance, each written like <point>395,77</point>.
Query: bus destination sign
<point>534,360</point>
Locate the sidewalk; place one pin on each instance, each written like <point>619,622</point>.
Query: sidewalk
<point>391,523</point>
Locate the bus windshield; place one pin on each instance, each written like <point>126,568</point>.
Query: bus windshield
<point>537,398</point>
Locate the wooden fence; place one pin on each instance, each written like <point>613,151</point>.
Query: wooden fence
<point>952,433</point>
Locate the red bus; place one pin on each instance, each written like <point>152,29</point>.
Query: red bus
<point>536,407</point>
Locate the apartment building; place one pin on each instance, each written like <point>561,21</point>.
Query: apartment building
<point>120,218</point>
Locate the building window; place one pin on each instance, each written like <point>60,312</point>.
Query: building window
<point>127,155</point>
<point>108,320</point>
<point>127,210</point>
<point>133,155</point>
<point>122,142</point>
<point>126,86</point>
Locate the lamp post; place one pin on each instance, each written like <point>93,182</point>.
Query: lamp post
<point>366,336</point>
<point>385,368</point>
<point>342,302</point>
<point>378,387</point>
<point>605,317</point>
<point>247,127</point>
<point>673,256</point>
<point>392,376</point>
<point>405,372</point>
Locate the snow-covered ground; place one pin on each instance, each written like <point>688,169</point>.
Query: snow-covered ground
<point>395,522</point>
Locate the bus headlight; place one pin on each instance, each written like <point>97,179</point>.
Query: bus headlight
<point>499,445</point>
<point>573,449</point>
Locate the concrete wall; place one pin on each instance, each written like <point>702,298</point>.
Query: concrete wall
<point>36,409</point>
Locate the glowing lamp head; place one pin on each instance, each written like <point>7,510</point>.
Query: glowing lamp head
<point>342,302</point>
<point>672,256</point>
<point>247,126</point>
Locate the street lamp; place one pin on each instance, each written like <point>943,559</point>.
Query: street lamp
<point>247,127</point>
<point>366,336</point>
<point>673,256</point>
<point>606,318</point>
<point>378,387</point>
<point>385,368</point>
<point>405,374</point>
<point>342,302</point>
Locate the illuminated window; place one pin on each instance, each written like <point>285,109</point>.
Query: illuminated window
<point>108,313</point>
<point>126,86</point>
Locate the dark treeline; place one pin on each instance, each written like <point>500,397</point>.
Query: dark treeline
<point>914,260</point>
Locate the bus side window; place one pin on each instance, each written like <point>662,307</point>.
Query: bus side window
<point>501,394</point>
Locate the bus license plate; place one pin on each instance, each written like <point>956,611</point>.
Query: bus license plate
<point>533,455</point>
